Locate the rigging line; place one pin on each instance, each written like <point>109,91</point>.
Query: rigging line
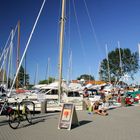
<point>80,36</point>
<point>69,64</point>
<point>69,44</point>
<point>3,52</point>
<point>108,64</point>
<point>6,50</point>
<point>67,38</point>
<point>8,41</point>
<point>69,26</point>
<point>120,56</point>
<point>11,69</point>
<point>36,76</point>
<point>5,56</point>
<point>71,72</point>
<point>99,71</point>
<point>10,57</point>
<point>27,46</point>
<point>69,47</point>
<point>59,15</point>
<point>57,37</point>
<point>48,70</point>
<point>67,30</point>
<point>92,27</point>
<point>67,33</point>
<point>4,67</point>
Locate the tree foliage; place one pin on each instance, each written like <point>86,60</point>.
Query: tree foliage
<point>86,77</point>
<point>23,78</point>
<point>128,64</point>
<point>49,80</point>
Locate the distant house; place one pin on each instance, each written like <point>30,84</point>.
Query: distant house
<point>75,81</point>
<point>90,82</point>
<point>95,82</point>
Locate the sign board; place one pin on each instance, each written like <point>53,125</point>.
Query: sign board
<point>68,116</point>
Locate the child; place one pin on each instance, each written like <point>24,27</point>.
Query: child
<point>99,110</point>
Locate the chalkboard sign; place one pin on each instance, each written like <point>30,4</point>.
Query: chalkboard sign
<point>68,116</point>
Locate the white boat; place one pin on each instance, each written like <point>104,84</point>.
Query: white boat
<point>49,91</point>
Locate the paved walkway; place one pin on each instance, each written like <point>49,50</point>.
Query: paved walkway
<point>121,124</point>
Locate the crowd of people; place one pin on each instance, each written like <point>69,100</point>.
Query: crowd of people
<point>99,106</point>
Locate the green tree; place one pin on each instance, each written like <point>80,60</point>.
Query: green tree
<point>43,82</point>
<point>50,80</point>
<point>127,65</point>
<point>23,78</point>
<point>86,77</point>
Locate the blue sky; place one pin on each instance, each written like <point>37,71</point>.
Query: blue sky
<point>113,21</point>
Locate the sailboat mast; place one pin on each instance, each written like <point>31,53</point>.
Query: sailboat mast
<point>69,67</point>
<point>108,64</point>
<point>61,41</point>
<point>120,58</point>
<point>25,84</point>
<point>36,76</point>
<point>18,49</point>
<point>48,70</point>
<point>10,58</point>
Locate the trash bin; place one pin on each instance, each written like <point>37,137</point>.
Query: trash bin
<point>44,106</point>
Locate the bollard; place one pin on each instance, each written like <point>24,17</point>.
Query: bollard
<point>84,105</point>
<point>44,106</point>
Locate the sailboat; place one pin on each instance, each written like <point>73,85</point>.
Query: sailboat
<point>61,42</point>
<point>45,90</point>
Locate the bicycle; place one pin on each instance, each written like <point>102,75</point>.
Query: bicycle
<point>5,108</point>
<point>18,114</point>
<point>15,113</point>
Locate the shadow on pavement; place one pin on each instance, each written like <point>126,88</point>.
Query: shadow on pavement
<point>33,123</point>
<point>44,116</point>
<point>83,122</point>
<point>4,122</point>
<point>24,123</point>
<point>36,119</point>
